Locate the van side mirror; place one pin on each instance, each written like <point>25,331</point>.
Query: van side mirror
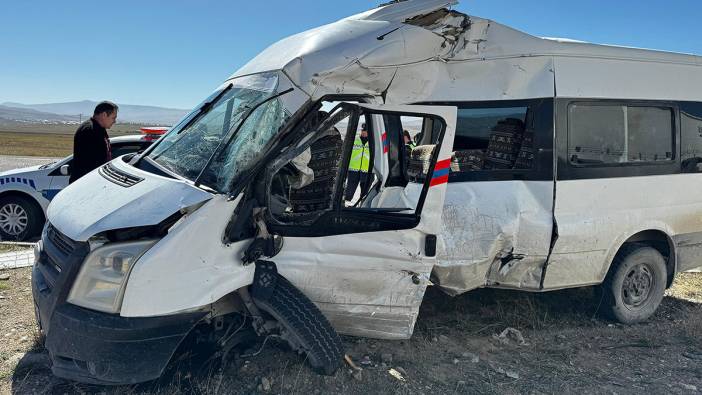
<point>65,170</point>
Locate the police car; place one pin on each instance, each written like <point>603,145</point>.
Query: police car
<point>25,193</point>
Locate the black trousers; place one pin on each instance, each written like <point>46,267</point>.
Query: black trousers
<point>354,178</point>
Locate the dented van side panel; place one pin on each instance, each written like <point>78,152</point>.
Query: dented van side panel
<point>495,233</point>
<point>365,284</point>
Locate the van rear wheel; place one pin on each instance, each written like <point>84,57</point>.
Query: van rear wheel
<point>635,285</point>
<point>303,326</point>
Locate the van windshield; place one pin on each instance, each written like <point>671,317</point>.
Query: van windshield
<point>185,150</point>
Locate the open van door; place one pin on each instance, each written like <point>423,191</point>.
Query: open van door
<point>364,261</point>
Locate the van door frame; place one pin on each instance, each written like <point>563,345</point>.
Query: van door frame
<point>370,281</point>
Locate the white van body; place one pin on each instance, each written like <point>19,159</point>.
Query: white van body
<point>557,224</point>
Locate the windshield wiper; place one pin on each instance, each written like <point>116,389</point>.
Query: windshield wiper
<point>222,143</point>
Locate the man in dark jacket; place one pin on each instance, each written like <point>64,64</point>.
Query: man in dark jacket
<point>91,144</point>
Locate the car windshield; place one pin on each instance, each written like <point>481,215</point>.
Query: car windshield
<point>186,150</point>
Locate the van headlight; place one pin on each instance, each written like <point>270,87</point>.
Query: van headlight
<point>103,277</point>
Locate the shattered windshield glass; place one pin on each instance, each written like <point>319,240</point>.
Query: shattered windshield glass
<point>186,151</point>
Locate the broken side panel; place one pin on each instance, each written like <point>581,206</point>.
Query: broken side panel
<point>495,233</point>
<point>498,217</point>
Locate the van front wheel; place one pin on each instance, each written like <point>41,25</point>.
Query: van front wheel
<point>303,326</point>
<point>635,285</point>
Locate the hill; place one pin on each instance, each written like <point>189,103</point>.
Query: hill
<point>15,115</point>
<point>72,110</point>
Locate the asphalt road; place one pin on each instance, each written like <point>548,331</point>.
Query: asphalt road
<point>8,162</point>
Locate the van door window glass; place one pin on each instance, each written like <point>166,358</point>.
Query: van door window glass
<point>610,134</point>
<point>333,167</point>
<point>596,134</point>
<point>492,139</point>
<point>691,141</point>
<point>649,134</point>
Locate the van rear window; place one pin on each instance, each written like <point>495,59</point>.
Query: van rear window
<point>612,134</point>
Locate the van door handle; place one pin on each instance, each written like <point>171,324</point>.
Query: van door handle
<point>430,246</point>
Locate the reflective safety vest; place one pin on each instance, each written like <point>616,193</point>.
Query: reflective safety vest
<point>360,156</point>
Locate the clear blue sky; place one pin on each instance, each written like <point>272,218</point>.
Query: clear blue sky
<point>173,53</point>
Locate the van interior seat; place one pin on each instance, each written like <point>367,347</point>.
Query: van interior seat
<point>467,160</point>
<point>509,146</point>
<point>504,144</point>
<point>420,162</point>
<point>526,155</point>
<point>324,162</point>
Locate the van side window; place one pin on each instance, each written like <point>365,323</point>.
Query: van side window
<point>601,134</point>
<point>691,140</point>
<point>492,139</point>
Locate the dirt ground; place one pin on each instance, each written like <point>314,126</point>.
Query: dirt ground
<point>455,349</point>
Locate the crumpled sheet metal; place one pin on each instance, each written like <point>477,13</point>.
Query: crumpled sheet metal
<point>191,250</point>
<point>494,233</point>
<point>363,287</point>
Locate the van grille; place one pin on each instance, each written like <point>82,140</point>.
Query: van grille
<point>62,242</point>
<point>119,177</point>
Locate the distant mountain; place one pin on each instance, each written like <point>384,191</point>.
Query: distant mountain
<point>14,115</point>
<point>127,112</point>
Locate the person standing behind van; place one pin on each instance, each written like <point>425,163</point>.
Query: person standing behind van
<point>91,144</point>
<point>359,165</point>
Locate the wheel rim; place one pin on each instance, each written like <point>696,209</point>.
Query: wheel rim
<point>637,285</point>
<point>13,219</point>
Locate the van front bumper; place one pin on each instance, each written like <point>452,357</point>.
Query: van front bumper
<point>91,346</point>
<point>98,348</point>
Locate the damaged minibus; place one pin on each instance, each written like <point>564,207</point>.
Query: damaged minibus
<point>535,164</point>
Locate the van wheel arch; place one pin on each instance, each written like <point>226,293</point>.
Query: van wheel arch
<point>657,239</point>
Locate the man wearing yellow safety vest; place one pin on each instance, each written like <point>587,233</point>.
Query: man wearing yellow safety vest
<point>359,165</point>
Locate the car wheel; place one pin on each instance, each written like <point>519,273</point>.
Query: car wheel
<point>19,218</point>
<point>635,285</point>
<point>303,326</point>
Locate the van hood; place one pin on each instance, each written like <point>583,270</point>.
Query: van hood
<point>95,203</point>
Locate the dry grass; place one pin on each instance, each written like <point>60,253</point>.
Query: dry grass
<point>6,247</point>
<point>117,129</point>
<point>47,140</point>
<point>568,350</point>
<point>35,144</point>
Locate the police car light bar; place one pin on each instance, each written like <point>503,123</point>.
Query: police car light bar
<point>153,132</point>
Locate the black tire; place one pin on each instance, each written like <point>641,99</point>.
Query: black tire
<point>20,218</point>
<point>635,284</point>
<point>307,325</point>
